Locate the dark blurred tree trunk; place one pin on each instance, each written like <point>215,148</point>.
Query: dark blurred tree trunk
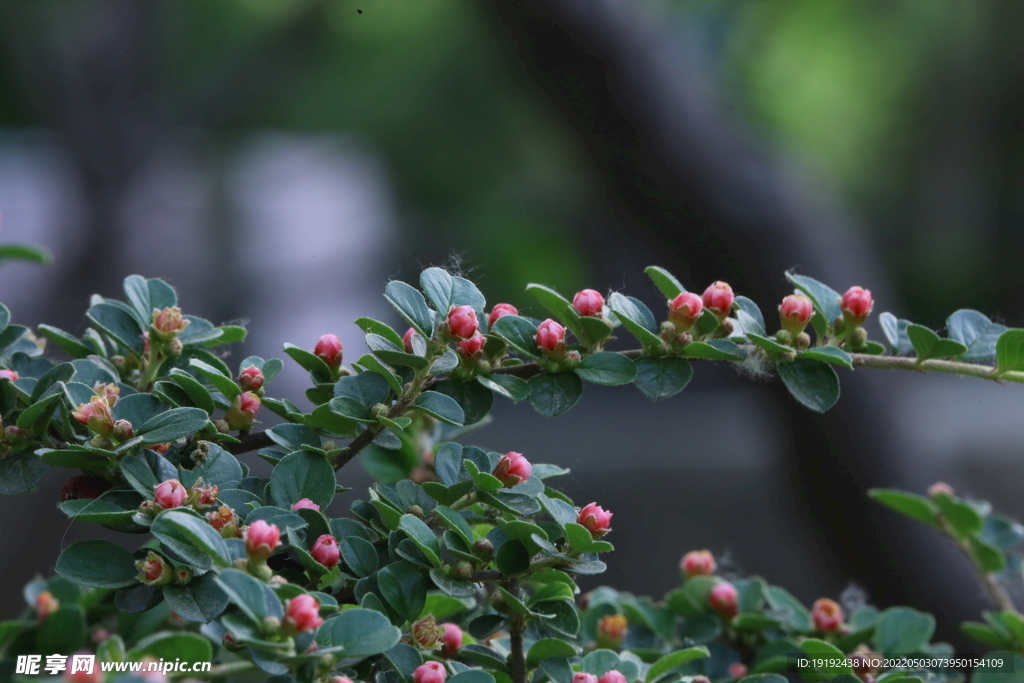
<point>711,203</point>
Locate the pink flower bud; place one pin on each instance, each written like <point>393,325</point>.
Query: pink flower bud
<point>305,504</point>
<point>251,379</point>
<point>407,339</point>
<point>611,630</point>
<point>431,672</point>
<point>329,350</point>
<point>551,336</point>
<point>612,676</point>
<point>337,679</point>
<point>472,346</point>
<point>89,676</point>
<point>302,614</point>
<point>512,469</point>
<point>46,604</point>
<point>584,678</point>
<point>206,495</point>
<point>170,494</point>
<point>795,312</point>
<point>242,413</point>
<point>737,670</point>
<point>827,615</point>
<point>589,303</point>
<point>724,599</point>
<point>8,374</point>
<point>109,392</point>
<point>168,323</point>
<point>684,310</point>
<point>939,487</point>
<point>698,563</point>
<point>261,539</point>
<point>596,520</point>
<point>326,551</point>
<point>856,305</point>
<point>718,298</point>
<point>451,641</point>
<point>154,570</point>
<point>500,310</point>
<point>462,322</point>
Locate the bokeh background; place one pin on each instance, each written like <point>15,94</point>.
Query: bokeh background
<point>279,160</point>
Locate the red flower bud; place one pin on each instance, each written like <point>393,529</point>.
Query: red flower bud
<point>170,494</point>
<point>611,630</point>
<point>46,604</point>
<point>684,310</point>
<point>500,310</point>
<point>8,374</point>
<point>718,298</point>
<point>302,615</point>
<point>612,676</point>
<point>329,350</point>
<point>431,672</point>
<point>724,599</point>
<point>596,520</point>
<point>325,551</point>
<point>242,413</point>
<point>584,678</point>
<point>251,379</point>
<point>206,495</point>
<point>261,539</point>
<point>698,563</point>
<point>462,322</point>
<point>795,312</point>
<point>827,615</point>
<point>407,339</point>
<point>589,303</point>
<point>551,336</point>
<point>305,504</point>
<point>856,305</point>
<point>737,670</point>
<point>512,469</point>
<point>168,323</point>
<point>451,641</point>
<point>154,570</point>
<point>472,346</point>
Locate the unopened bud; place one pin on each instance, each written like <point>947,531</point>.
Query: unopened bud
<point>484,549</point>
<point>939,487</point>
<point>415,511</point>
<point>803,340</point>
<point>329,349</point>
<point>251,378</point>
<point>856,305</point>
<point>230,644</point>
<point>611,630</point>
<point>589,303</point>
<point>154,570</point>
<point>462,570</point>
<point>123,430</point>
<point>718,298</point>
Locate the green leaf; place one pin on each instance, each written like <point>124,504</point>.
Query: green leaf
<point>989,558</point>
<point>607,368</point>
<point>403,588</point>
<point>821,650</point>
<point>309,362</point>
<point>1002,532</point>
<point>826,300</point>
<point>97,511</point>
<point>214,376</point>
<point>928,345</point>
<point>770,346</point>
<point>199,331</point>
<point>360,555</point>
<point>660,378</point>
<point>472,676</point>
<point>457,523</point>
<point>829,354</point>
<point>674,659</point>
<point>373,364</point>
<point>36,418</point>
<point>422,536</point>
<point>173,424</point>
<point>520,333</point>
<point>440,406</point>
<point>191,537</point>
<point>446,291</point>
<point>26,252</point>
<point>303,474</point>
<point>145,470</point>
<point>636,318</point>
<point>548,647</point>
<point>218,467</point>
<point>367,388</point>
<point>509,386</point>
<point>197,393</point>
<point>358,633</point>
<point>716,349</point>
<point>411,306</point>
<point>553,395</point>
<point>293,436</point>
<point>665,281</point>
<point>909,504</point>
<point>117,323</point>
<point>201,599</point>
<point>395,355</point>
<point>556,304</point>
<point>229,334</point>
<point>21,473</point>
<point>512,557</point>
<point>252,596</point>
<point>63,631</point>
<point>1011,671</point>
<point>963,518</point>
<point>473,398</point>
<point>902,630</point>
<point>986,635</point>
<point>788,609</point>
<point>1010,351</point>
<point>190,647</point>
<point>68,343</point>
<point>98,563</point>
<point>812,383</point>
<point>371,326</point>
<point>975,331</point>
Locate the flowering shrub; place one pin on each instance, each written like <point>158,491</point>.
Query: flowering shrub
<point>252,573</point>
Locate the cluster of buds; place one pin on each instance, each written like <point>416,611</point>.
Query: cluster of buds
<point>827,615</point>
<point>611,631</point>
<point>595,519</point>
<point>512,469</point>
<point>724,599</point>
<point>697,563</point>
<point>613,676</point>
<point>686,308</point>
<point>242,413</point>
